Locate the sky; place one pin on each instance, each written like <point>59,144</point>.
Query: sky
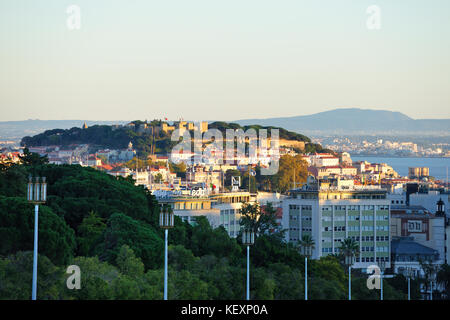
<point>222,60</point>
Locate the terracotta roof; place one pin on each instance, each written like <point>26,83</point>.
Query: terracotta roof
<point>278,211</point>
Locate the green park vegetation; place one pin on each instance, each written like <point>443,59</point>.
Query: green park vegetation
<point>109,228</point>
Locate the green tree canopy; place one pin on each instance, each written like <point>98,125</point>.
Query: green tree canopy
<point>56,239</point>
<point>123,230</point>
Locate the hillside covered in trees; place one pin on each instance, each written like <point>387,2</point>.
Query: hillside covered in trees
<point>109,228</point>
<point>118,137</point>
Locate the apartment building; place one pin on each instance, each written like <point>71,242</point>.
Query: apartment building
<point>190,206</point>
<point>329,212</point>
<point>421,226</point>
<point>221,209</point>
<point>229,205</point>
<point>418,172</point>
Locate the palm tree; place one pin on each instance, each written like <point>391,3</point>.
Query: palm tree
<point>443,278</point>
<point>349,249</point>
<point>430,271</point>
<point>307,245</point>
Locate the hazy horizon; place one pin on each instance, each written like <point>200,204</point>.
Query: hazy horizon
<point>188,119</point>
<point>205,60</point>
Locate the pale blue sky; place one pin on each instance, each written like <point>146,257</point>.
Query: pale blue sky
<point>222,60</point>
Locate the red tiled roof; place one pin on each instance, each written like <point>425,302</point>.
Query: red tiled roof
<point>278,212</point>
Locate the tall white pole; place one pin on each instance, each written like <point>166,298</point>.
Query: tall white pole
<point>248,272</point>
<point>306,278</point>
<point>349,283</point>
<point>409,288</point>
<point>35,254</point>
<point>165,264</point>
<point>381,285</point>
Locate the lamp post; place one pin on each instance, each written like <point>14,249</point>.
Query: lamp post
<point>409,274</point>
<point>306,278</point>
<point>36,194</point>
<point>382,265</point>
<point>248,239</point>
<point>349,261</point>
<point>307,252</point>
<point>432,278</point>
<point>166,221</point>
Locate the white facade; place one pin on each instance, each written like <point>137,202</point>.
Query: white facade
<point>397,198</point>
<point>329,221</point>
<point>319,161</point>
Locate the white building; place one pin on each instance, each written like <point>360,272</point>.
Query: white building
<point>324,160</point>
<point>330,214</point>
<point>221,209</point>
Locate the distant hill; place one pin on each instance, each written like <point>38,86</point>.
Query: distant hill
<point>356,121</point>
<point>139,133</point>
<point>19,129</point>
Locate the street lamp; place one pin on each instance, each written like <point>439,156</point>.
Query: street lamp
<point>349,261</point>
<point>409,275</point>
<point>166,222</point>
<point>432,278</point>
<point>382,265</point>
<point>248,239</point>
<point>307,252</point>
<point>36,194</point>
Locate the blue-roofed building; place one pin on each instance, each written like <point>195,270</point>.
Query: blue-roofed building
<point>407,254</point>
<point>425,227</point>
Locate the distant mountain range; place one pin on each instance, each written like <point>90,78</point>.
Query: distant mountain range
<point>354,121</point>
<point>350,121</point>
<point>15,130</point>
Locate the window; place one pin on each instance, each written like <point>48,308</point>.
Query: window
<point>367,218</point>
